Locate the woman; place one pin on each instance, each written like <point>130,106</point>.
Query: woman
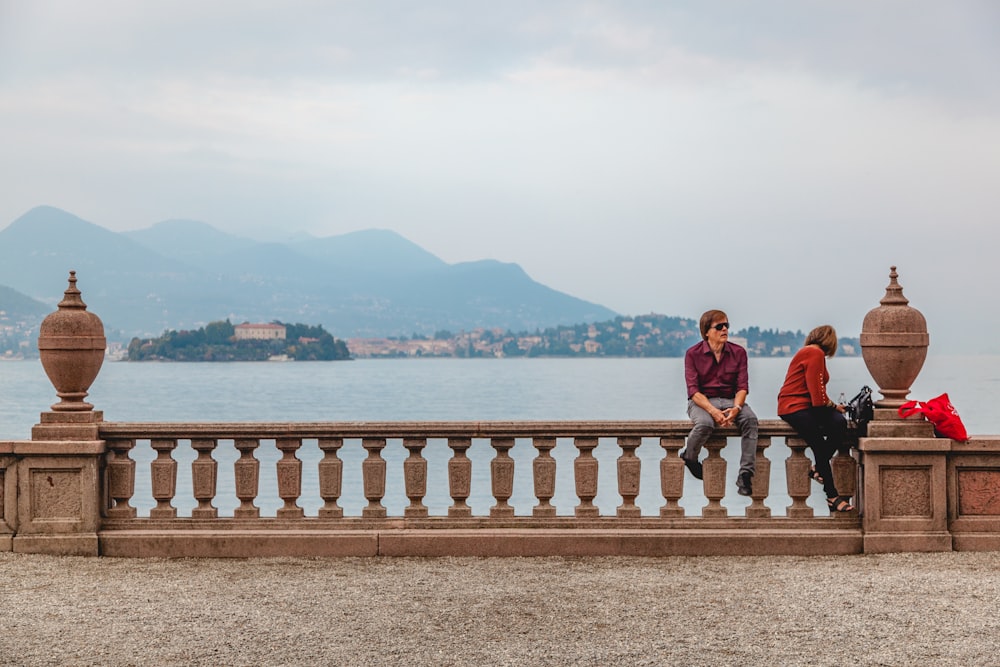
<point>803,403</point>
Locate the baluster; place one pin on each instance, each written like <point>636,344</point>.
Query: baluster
<point>5,462</point>
<point>761,482</point>
<point>204,471</point>
<point>585,473</point>
<point>845,476</point>
<point>544,469</point>
<point>797,472</point>
<point>502,473</point>
<point>289,469</point>
<point>373,472</point>
<point>163,478</point>
<point>629,467</point>
<point>459,477</point>
<point>246,471</point>
<point>672,477</point>
<point>121,480</point>
<point>331,475</point>
<point>415,476</point>
<point>714,472</point>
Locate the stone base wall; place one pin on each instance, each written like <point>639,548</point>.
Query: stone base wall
<point>51,496</point>
<point>809,538</point>
<point>915,493</point>
<point>923,493</point>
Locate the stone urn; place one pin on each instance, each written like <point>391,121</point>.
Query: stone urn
<point>894,344</point>
<point>71,344</point>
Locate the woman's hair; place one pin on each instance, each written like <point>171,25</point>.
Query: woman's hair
<point>825,337</point>
<point>706,321</point>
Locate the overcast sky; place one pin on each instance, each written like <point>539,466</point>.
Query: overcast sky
<point>769,158</point>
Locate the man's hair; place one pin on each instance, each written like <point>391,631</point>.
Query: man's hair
<point>826,337</point>
<point>706,321</point>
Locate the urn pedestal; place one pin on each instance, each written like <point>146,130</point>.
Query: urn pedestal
<point>58,471</point>
<point>894,344</point>
<point>71,346</point>
<point>905,466</point>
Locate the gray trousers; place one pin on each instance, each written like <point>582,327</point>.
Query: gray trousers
<point>704,427</point>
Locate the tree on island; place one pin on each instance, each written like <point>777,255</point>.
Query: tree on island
<point>217,341</point>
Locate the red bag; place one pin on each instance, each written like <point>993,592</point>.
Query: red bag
<point>940,412</point>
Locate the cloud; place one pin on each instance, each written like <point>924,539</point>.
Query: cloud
<point>649,156</point>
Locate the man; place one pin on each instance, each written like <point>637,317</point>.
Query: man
<point>717,387</point>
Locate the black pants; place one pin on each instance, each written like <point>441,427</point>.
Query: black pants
<point>824,430</point>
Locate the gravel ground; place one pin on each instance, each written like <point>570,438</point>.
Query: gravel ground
<point>893,609</point>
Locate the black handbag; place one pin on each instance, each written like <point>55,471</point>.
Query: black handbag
<point>860,409</point>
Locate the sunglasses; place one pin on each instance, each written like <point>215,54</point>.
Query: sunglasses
<point>720,326</point>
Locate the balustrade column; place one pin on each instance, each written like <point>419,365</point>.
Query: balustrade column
<point>761,482</point>
<point>544,469</point>
<point>331,474</point>
<point>629,468</point>
<point>797,473</point>
<point>585,470</point>
<point>459,477</point>
<point>845,476</point>
<point>121,480</point>
<point>415,477</point>
<point>672,477</point>
<point>6,518</point>
<point>246,471</point>
<point>289,469</point>
<point>204,471</point>
<point>502,474</point>
<point>714,472</point>
<point>163,478</point>
<point>373,472</point>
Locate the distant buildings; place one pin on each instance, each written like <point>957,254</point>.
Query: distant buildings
<point>649,335</point>
<point>18,335</point>
<point>247,331</point>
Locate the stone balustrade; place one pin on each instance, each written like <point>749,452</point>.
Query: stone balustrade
<point>543,529</point>
<point>372,437</point>
<point>72,488</point>
<point>915,491</point>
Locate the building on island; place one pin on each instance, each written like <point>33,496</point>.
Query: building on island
<point>247,331</point>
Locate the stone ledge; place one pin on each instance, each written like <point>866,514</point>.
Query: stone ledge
<point>478,543</point>
<point>597,525</point>
<point>977,443</point>
<point>905,445</point>
<point>975,541</point>
<point>237,544</point>
<point>884,542</point>
<point>60,448</point>
<point>52,447</point>
<point>57,545</point>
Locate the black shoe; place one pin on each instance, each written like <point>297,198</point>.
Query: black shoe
<point>744,483</point>
<point>693,467</point>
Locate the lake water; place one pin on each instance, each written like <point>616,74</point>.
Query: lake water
<point>453,389</point>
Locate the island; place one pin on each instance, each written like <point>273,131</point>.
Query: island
<point>224,341</point>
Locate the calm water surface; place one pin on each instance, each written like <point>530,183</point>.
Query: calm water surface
<point>450,389</point>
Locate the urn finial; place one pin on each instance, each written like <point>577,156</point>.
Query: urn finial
<point>894,291</point>
<point>72,296</point>
<point>71,345</point>
<point>894,343</point>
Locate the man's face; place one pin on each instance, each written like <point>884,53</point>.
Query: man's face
<point>717,333</point>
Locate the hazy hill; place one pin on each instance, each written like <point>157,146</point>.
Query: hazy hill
<point>17,305</point>
<point>371,251</point>
<point>131,287</point>
<point>189,241</point>
<point>181,274</point>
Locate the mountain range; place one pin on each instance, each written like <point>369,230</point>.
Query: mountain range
<point>182,274</point>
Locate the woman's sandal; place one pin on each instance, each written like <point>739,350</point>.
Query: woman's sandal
<point>815,475</point>
<point>839,504</point>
